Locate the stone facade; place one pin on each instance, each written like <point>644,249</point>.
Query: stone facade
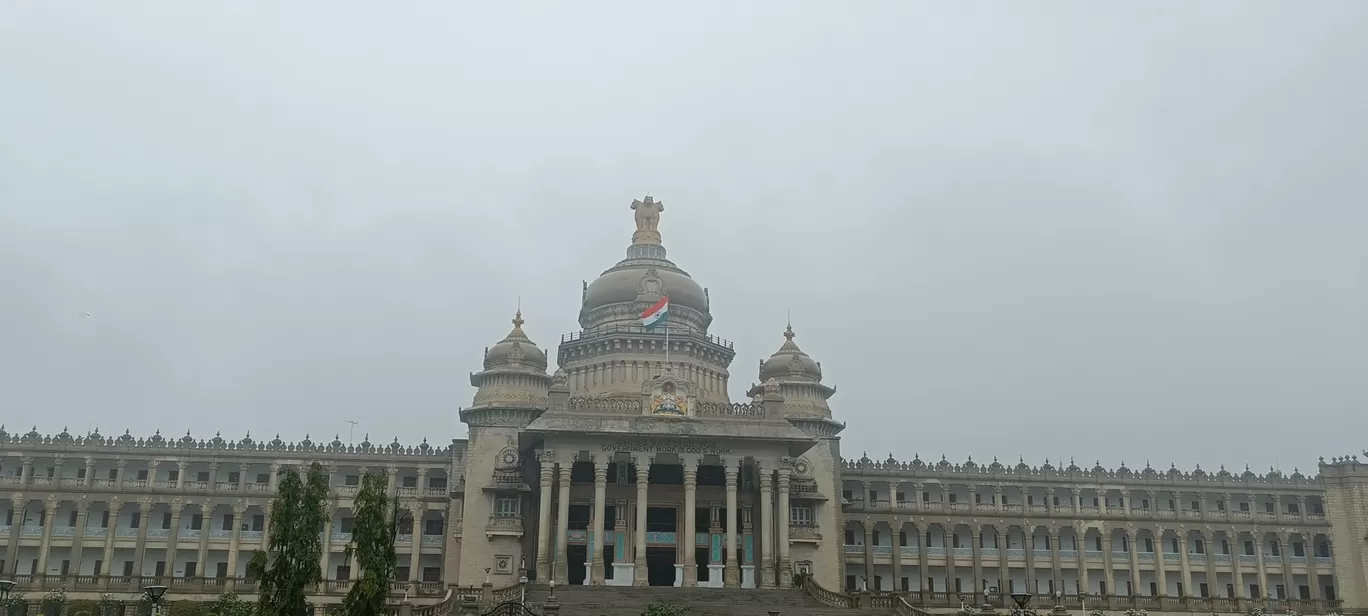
<point>631,465</point>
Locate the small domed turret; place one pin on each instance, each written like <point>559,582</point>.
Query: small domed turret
<point>514,374</point>
<point>799,377</point>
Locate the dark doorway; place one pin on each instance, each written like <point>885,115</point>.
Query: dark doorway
<point>660,566</point>
<point>701,557</point>
<point>576,555</point>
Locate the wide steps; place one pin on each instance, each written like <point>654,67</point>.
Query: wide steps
<point>632,601</point>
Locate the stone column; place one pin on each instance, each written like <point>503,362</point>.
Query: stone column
<point>643,480</point>
<point>1259,538</point>
<point>1058,568</point>
<point>690,521</point>
<point>266,526</point>
<point>49,518</point>
<point>1209,539</point>
<point>416,553</point>
<point>26,471</point>
<point>140,548</point>
<point>1077,500</point>
<point>897,557</point>
<point>1134,560</point>
<point>89,472</point>
<point>242,478</point>
<point>561,568</point>
<point>172,538</point>
<point>767,529</point>
<point>1050,501</point>
<point>115,508</point>
<point>1028,542</point>
<point>1184,564</point>
<point>948,532</point>
<point>1301,509</point>
<point>1081,546</point>
<point>731,575</point>
<point>1284,545</point>
<point>1159,562</point>
<point>391,471</point>
<point>238,512</point>
<point>78,542</point>
<point>1001,537</point>
<point>868,554</point>
<point>785,565</point>
<point>546,460</point>
<point>596,529</point>
<point>206,527</point>
<point>121,473</point>
<point>1109,572</point>
<point>976,549</point>
<point>1235,562</point>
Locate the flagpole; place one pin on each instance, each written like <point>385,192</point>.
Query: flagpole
<point>667,346</point>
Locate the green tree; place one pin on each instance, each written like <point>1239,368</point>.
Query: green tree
<point>374,531</point>
<point>229,604</point>
<point>291,565</point>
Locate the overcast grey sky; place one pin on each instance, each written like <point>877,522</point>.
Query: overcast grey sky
<point>1116,231</point>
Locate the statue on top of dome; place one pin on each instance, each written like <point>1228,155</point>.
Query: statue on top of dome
<point>647,220</point>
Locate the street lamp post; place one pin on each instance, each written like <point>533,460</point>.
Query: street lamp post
<point>1022,599</point>
<point>155,594</point>
<point>5,587</point>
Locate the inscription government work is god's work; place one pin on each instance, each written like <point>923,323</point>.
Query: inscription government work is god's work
<point>659,446</point>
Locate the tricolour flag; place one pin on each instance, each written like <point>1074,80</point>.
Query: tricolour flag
<point>656,314</point>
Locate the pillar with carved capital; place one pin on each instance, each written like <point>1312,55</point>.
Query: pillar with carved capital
<point>896,529</point>
<point>392,471</point>
<point>242,478</point>
<point>26,470</point>
<point>181,479</point>
<point>1284,549</point>
<point>1209,543</point>
<point>171,539</point>
<point>785,565</point>
<point>868,525</point>
<point>596,567</point>
<point>89,472</point>
<point>731,575</point>
<point>1159,562</point>
<point>767,527</point>
<point>546,461</point>
<point>975,542</point>
<point>1028,542</point>
<point>140,548</point>
<point>238,512</point>
<point>78,542</point>
<point>1109,571</point>
<point>643,474</point>
<point>115,507</point>
<point>1234,535</point>
<point>1081,546</point>
<point>561,568</point>
<point>416,553</point>
<point>1259,538</point>
<point>1134,559</point>
<point>1185,566</point>
<point>49,518</point>
<point>206,528</point>
<point>690,521</point>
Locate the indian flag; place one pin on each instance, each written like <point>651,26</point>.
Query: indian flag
<point>656,314</point>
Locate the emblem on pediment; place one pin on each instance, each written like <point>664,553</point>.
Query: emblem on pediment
<point>802,468</point>
<point>651,285</point>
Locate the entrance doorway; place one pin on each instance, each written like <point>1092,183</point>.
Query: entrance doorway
<point>660,566</point>
<point>576,555</point>
<point>701,556</point>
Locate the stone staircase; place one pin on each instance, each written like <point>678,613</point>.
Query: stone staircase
<point>632,601</point>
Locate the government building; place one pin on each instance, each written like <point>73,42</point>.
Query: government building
<point>630,465</point>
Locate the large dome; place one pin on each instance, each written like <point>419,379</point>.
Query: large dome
<point>619,295</point>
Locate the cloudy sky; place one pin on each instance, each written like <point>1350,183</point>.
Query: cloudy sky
<point>1115,231</point>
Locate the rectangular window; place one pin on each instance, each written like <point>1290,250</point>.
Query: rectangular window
<point>1149,544</point>
<point>128,568</point>
<point>1249,550</point>
<point>438,483</point>
<point>1196,505</point>
<point>926,497</point>
<point>506,506</point>
<point>343,572</point>
<point>1292,508</point>
<point>847,495</point>
<point>196,521</point>
<point>874,536</point>
<point>1097,544</point>
<point>401,574</point>
<point>978,498</point>
<point>850,537</point>
<point>410,482</point>
<point>234,476</point>
<point>800,516</point>
<point>263,478</point>
<point>1056,501</point>
<point>80,473</point>
<point>227,521</point>
<point>1198,547</point>
<point>160,569</point>
<point>1245,507</point>
<point>113,473</point>
<point>1268,507</point>
<point>433,527</point>
<point>190,569</point>
<point>173,474</point>
<point>344,525</point>
<point>221,570</point>
<point>166,520</point>
<point>202,476</point>
<point>104,519</point>
<point>135,520</point>
<point>258,522</point>
<point>432,574</point>
<point>99,564</point>
<point>902,498</point>
<point>952,497</point>
<point>66,567</point>
<point>1220,505</point>
<point>142,475</point>
<point>71,519</point>
<point>1276,550</point>
<point>1299,549</point>
<point>1095,502</point>
<point>1174,545</point>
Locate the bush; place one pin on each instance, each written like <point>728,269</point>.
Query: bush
<point>15,605</point>
<point>53,602</point>
<point>110,606</point>
<point>186,608</point>
<point>84,607</point>
<point>661,608</point>
<point>229,604</point>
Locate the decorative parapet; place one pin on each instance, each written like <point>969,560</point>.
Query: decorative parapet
<point>624,406</point>
<point>96,443</point>
<point>945,468</point>
<point>743,410</point>
<point>826,597</point>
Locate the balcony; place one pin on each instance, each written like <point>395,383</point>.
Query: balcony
<point>804,532</point>
<point>504,526</point>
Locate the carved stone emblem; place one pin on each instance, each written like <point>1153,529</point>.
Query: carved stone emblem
<point>508,459</point>
<point>668,401</point>
<point>802,468</point>
<point>651,286</point>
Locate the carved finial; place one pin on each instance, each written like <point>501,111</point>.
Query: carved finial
<point>788,333</point>
<point>518,320</point>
